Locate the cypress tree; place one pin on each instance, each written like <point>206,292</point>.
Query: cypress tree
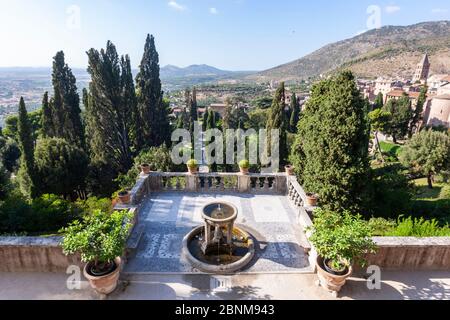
<point>47,118</point>
<point>295,113</point>
<point>65,108</point>
<point>277,120</point>
<point>418,112</point>
<point>26,145</point>
<point>379,101</point>
<point>331,147</point>
<point>109,116</point>
<point>154,120</point>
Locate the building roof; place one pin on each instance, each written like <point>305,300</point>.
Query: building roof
<point>400,93</point>
<point>425,60</point>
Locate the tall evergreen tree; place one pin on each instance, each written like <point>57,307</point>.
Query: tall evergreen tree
<point>47,118</point>
<point>402,115</point>
<point>332,143</point>
<point>109,115</point>
<point>295,113</point>
<point>277,120</point>
<point>65,106</point>
<point>379,101</point>
<point>211,120</point>
<point>26,144</point>
<point>418,112</point>
<point>154,121</point>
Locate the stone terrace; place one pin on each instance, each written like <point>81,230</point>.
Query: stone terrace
<point>168,205</point>
<point>165,218</point>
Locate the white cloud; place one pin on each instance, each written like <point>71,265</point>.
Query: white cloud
<point>175,5</point>
<point>392,9</point>
<point>213,11</point>
<point>439,10</point>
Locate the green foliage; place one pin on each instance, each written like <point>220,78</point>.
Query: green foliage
<point>62,115</point>
<point>379,101</point>
<point>158,158</point>
<point>5,184</point>
<point>154,125</point>
<point>26,174</point>
<point>277,120</point>
<point>192,164</point>
<point>330,153</point>
<point>391,192</point>
<point>380,226</point>
<point>342,238</point>
<point>263,102</point>
<point>418,111</point>
<point>43,215</point>
<point>418,227</point>
<point>100,237</point>
<point>10,154</point>
<point>379,120</point>
<point>295,114</point>
<point>402,115</point>
<point>109,112</point>
<point>427,153</point>
<point>61,167</point>
<point>244,164</point>
<point>258,119</point>
<point>11,128</point>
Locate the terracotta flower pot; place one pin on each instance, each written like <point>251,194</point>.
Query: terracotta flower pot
<point>331,282</point>
<point>289,170</point>
<point>311,200</point>
<point>104,284</point>
<point>192,170</point>
<point>244,171</point>
<point>125,197</point>
<point>145,169</point>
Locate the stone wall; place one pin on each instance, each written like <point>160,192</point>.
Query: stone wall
<point>395,253</point>
<point>29,254</point>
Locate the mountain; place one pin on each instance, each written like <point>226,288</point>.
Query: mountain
<point>389,51</point>
<point>171,71</point>
<point>174,77</point>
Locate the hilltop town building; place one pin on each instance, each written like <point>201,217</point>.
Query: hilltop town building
<point>422,70</point>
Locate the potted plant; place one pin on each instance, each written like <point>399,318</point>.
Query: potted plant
<point>289,170</point>
<point>341,241</point>
<point>244,166</point>
<point>192,166</point>
<point>311,199</point>
<point>124,196</point>
<point>145,168</point>
<point>100,238</point>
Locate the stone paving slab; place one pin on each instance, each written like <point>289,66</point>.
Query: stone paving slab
<point>167,217</point>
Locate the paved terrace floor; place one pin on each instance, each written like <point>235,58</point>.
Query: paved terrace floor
<point>167,217</point>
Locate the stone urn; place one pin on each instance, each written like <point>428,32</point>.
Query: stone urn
<point>311,200</point>
<point>105,284</point>
<point>332,283</point>
<point>124,197</point>
<point>289,170</point>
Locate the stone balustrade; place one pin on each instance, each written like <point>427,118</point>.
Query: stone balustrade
<point>209,183</point>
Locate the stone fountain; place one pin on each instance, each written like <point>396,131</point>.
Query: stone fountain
<point>219,246</point>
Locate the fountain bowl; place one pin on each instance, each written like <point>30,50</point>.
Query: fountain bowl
<point>219,247</point>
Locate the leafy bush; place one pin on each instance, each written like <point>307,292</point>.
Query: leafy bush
<point>192,163</point>
<point>409,227</point>
<point>343,239</point>
<point>380,226</point>
<point>244,164</point>
<point>99,237</point>
<point>158,158</point>
<point>43,215</point>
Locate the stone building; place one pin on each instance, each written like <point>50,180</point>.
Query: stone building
<point>422,70</point>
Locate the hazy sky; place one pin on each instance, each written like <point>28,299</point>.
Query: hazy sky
<point>229,34</point>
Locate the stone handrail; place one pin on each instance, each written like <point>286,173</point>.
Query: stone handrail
<point>208,182</point>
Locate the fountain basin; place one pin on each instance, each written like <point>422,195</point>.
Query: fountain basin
<point>219,246</point>
<point>243,252</point>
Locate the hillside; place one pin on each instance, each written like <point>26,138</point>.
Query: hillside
<point>388,51</point>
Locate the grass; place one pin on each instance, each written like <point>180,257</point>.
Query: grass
<point>440,190</point>
<point>390,149</point>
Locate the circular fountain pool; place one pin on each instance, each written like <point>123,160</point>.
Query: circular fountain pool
<point>219,246</point>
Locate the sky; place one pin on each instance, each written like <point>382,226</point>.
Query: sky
<point>228,34</point>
